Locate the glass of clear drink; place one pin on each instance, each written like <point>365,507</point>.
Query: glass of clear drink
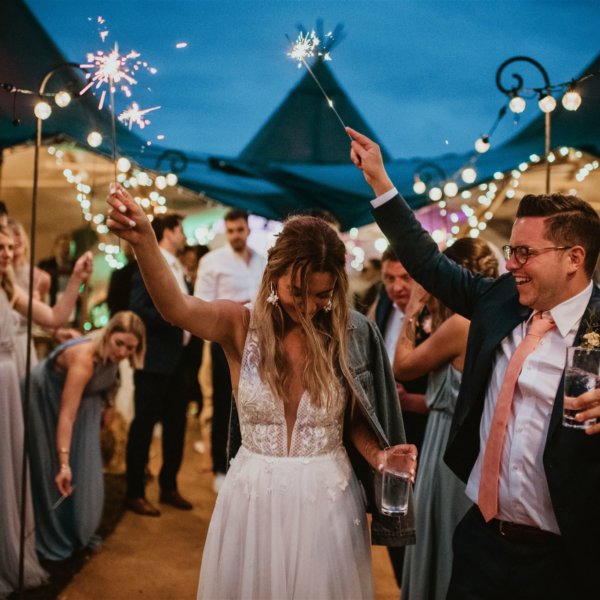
<point>582,374</point>
<point>395,482</point>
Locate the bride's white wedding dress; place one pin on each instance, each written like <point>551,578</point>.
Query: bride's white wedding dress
<point>286,524</point>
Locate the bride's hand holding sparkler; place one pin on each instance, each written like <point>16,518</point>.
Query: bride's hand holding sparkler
<point>126,219</point>
<point>366,155</point>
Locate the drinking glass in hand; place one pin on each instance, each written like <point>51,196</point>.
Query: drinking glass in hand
<point>395,482</point>
<point>582,374</point>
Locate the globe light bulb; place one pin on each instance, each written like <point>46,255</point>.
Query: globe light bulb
<point>468,175</point>
<point>435,193</point>
<point>517,104</point>
<point>451,189</point>
<point>482,144</point>
<point>171,179</point>
<point>547,103</point>
<point>571,100</point>
<point>160,182</point>
<point>62,99</point>
<point>42,110</point>
<point>94,139</point>
<point>419,186</point>
<point>123,164</point>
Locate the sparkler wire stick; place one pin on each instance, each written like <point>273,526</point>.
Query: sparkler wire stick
<point>305,47</point>
<point>329,100</point>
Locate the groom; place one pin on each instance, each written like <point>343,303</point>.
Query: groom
<point>534,530</point>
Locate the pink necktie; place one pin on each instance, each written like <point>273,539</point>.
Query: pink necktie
<point>490,470</point>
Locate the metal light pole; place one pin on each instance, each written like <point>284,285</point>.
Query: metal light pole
<point>514,94</point>
<point>40,116</point>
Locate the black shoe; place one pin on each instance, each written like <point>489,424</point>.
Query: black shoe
<point>141,506</point>
<point>175,499</point>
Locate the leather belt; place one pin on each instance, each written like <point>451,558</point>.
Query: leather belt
<point>523,533</point>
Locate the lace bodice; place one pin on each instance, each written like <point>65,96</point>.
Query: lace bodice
<point>262,416</point>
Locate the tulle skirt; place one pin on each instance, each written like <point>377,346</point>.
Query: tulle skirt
<point>288,528</point>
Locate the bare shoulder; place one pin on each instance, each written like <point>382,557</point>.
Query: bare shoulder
<point>78,356</point>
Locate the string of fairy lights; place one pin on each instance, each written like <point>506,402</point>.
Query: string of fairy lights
<point>443,188</point>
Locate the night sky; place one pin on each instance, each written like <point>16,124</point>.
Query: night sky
<point>422,73</point>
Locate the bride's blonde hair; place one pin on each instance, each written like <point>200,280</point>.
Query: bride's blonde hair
<point>306,245</point>
<point>7,282</point>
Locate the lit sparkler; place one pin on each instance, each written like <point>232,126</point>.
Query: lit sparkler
<point>308,45</point>
<point>136,116</point>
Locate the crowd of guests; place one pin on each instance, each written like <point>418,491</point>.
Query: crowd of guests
<point>307,395</point>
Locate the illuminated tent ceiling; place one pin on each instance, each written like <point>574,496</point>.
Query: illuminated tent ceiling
<point>298,160</point>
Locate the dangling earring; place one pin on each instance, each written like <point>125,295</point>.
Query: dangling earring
<point>329,306</point>
<point>273,298</point>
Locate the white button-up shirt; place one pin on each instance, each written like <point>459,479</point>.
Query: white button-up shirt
<point>224,274</point>
<point>177,271</point>
<point>392,331</point>
<point>523,495</point>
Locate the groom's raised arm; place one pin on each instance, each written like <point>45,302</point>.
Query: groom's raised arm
<point>456,287</point>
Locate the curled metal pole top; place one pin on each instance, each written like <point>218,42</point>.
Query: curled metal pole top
<point>519,80</point>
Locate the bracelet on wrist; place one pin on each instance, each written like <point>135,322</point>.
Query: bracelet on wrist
<point>65,468</point>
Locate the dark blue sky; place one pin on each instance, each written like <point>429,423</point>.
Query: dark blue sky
<point>420,72</point>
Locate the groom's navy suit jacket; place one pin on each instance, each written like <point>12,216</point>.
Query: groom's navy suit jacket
<point>571,458</point>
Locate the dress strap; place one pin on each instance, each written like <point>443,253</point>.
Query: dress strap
<point>62,347</point>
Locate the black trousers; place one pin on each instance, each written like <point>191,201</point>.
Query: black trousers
<point>158,398</point>
<point>221,380</point>
<point>489,566</point>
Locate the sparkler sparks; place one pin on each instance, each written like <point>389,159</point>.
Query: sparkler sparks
<point>308,45</point>
<point>109,69</point>
<point>135,116</point>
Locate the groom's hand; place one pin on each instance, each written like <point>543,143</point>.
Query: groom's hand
<point>366,155</point>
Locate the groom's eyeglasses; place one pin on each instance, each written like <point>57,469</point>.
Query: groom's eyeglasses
<point>524,253</point>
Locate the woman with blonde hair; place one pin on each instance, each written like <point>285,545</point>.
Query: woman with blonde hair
<point>41,287</point>
<point>13,298</point>
<point>439,494</point>
<point>308,375</point>
<point>69,391</point>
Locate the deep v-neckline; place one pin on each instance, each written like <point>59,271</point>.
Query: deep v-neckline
<point>291,432</point>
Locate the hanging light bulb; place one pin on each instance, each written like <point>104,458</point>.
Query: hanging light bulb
<point>171,179</point>
<point>419,186</point>
<point>42,110</point>
<point>482,144</point>
<point>94,139</point>
<point>435,193</point>
<point>468,175</point>
<point>451,189</point>
<point>571,100</point>
<point>123,164</point>
<point>517,104</point>
<point>546,103</point>
<point>62,99</point>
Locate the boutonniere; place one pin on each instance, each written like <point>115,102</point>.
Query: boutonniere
<point>591,338</point>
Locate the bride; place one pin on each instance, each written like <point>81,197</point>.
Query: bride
<point>308,377</point>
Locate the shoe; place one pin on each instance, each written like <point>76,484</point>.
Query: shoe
<point>141,506</point>
<point>199,447</point>
<point>218,482</point>
<point>175,499</point>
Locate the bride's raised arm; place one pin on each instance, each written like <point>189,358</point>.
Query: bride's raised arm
<point>216,321</point>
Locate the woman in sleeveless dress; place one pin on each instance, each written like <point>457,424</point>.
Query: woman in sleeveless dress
<point>290,519</point>
<point>13,300</point>
<point>440,497</point>
<point>68,390</point>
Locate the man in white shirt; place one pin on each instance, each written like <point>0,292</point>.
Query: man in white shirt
<point>232,272</point>
<point>533,532</point>
<point>160,385</point>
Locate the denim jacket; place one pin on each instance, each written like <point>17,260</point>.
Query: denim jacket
<point>379,404</point>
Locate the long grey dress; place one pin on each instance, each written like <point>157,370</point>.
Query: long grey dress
<point>64,528</point>
<point>440,498</point>
<point>11,458</point>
